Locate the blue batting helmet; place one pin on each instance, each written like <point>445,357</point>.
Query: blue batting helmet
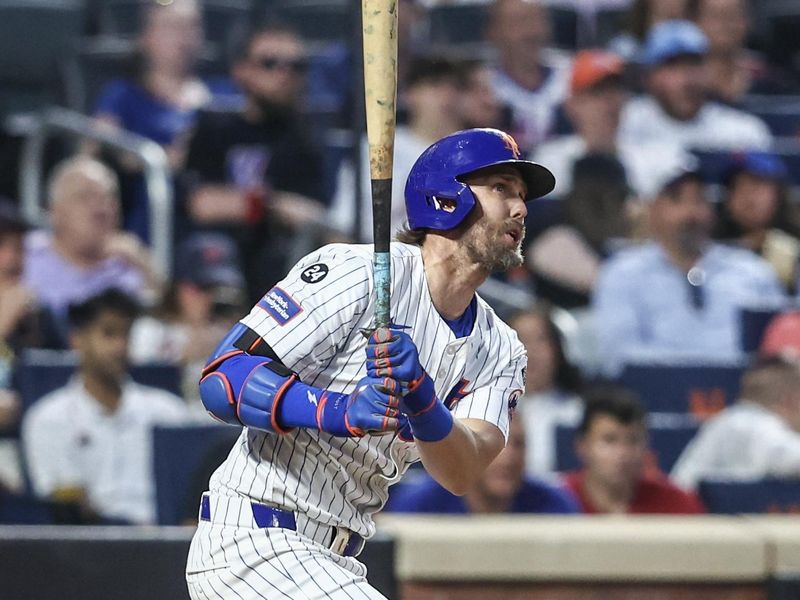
<point>438,171</point>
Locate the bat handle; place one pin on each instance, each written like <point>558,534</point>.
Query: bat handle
<point>383,278</point>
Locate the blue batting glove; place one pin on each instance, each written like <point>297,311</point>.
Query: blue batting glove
<point>373,407</point>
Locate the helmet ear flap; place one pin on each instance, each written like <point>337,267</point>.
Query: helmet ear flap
<point>446,201</point>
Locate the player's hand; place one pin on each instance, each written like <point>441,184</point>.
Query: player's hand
<point>374,407</point>
<point>392,353</point>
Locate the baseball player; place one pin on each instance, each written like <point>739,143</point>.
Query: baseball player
<point>332,416</point>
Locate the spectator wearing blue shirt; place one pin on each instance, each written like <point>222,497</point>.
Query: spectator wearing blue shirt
<point>678,297</point>
<point>503,488</point>
<point>161,100</point>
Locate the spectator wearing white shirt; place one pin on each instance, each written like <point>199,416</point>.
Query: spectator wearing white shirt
<point>757,438</point>
<point>679,296</point>
<point>677,106</point>
<point>528,79</point>
<point>90,442</point>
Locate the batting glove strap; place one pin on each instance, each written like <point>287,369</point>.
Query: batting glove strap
<point>432,425</point>
<point>420,395</point>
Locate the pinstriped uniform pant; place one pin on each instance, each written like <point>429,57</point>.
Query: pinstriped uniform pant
<point>243,563</point>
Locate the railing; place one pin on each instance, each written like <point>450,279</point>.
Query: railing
<point>37,127</point>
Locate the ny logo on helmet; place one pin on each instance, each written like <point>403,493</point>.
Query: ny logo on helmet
<point>510,143</point>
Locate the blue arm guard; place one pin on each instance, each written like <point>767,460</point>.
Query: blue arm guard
<point>244,389</point>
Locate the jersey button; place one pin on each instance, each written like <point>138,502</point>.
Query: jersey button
<point>449,351</point>
<point>441,374</point>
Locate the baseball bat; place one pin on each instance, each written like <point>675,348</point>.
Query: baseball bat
<point>379,27</point>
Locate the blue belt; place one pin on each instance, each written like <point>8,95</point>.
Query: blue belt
<point>343,541</point>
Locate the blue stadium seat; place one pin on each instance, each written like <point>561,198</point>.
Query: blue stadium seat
<point>317,20</point>
<point>669,435</point>
<point>182,457</point>
<point>765,496</point>
<point>714,164</point>
<point>700,390</point>
<point>754,324</point>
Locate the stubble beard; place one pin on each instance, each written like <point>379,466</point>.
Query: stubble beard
<point>485,246</point>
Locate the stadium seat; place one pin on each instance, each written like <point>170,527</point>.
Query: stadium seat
<point>699,390</point>
<point>318,21</point>
<point>183,458</point>
<point>669,435</point>
<point>765,496</point>
<point>33,37</point>
<point>754,324</point>
<point>714,164</point>
<point>457,24</point>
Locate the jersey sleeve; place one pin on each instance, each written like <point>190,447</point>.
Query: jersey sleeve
<point>308,316</point>
<point>496,401</point>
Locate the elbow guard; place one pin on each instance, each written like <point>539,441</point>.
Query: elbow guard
<point>245,390</point>
<point>242,389</point>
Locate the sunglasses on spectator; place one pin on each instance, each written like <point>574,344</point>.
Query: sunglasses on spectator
<point>272,63</point>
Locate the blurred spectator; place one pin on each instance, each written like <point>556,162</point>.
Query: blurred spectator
<point>23,322</point>
<point>565,258</point>
<point>85,252</point>
<point>479,105</point>
<point>551,389</point>
<point>256,173</point>
<point>756,438</point>
<point>432,98</point>
<point>160,101</point>
<point>676,105</point>
<point>611,445</point>
<point>204,300</point>
<point>756,212</point>
<point>642,16</point>
<point>678,297</point>
<point>734,71</point>
<point>503,488</point>
<point>531,84</point>
<point>597,95</point>
<point>89,442</point>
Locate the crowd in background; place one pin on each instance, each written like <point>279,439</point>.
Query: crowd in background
<point>674,211</point>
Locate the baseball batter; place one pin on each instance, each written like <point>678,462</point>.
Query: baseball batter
<point>333,416</point>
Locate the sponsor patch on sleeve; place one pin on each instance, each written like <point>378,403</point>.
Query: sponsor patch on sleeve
<point>280,305</point>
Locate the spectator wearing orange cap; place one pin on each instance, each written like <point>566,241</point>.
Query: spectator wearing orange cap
<point>594,106</point>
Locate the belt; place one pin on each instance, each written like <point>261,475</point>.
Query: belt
<point>235,511</point>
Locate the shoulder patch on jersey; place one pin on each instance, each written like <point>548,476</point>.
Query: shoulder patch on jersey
<point>315,273</point>
<point>280,305</point>
<point>512,403</point>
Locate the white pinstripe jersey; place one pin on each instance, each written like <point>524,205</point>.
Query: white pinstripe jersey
<point>312,320</point>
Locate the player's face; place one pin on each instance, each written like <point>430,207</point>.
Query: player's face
<point>613,452</point>
<point>103,346</point>
<point>494,232</point>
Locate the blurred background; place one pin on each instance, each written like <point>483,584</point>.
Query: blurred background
<point>163,163</point>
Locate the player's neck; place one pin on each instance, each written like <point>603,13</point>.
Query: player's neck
<point>452,282</point>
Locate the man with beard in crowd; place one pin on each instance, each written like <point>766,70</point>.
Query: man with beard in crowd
<point>679,296</point>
